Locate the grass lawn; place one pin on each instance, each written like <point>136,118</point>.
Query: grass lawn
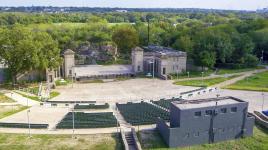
<point>230,71</point>
<point>10,110</point>
<point>5,99</point>
<point>92,81</point>
<point>54,94</point>
<point>60,142</point>
<point>257,82</point>
<point>63,82</point>
<point>205,83</point>
<point>151,140</point>
<point>192,74</point>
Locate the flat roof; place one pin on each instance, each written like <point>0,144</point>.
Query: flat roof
<point>97,70</point>
<point>163,50</point>
<point>200,103</point>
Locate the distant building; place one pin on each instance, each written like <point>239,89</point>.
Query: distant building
<point>206,121</point>
<point>152,61</point>
<point>122,10</point>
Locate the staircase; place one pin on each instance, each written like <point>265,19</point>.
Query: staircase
<point>130,141</point>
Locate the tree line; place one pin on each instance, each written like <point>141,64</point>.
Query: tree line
<point>211,40</point>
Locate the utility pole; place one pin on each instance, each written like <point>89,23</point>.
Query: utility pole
<point>148,36</point>
<point>29,125</point>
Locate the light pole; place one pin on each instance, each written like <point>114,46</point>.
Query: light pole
<point>29,125</point>
<point>262,57</point>
<point>153,67</point>
<point>27,97</point>
<point>73,122</point>
<point>262,101</point>
<point>202,78</point>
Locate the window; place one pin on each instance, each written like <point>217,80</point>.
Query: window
<point>173,68</point>
<point>223,110</point>
<point>234,109</point>
<point>196,134</point>
<point>208,112</point>
<point>139,68</point>
<point>70,72</point>
<point>197,114</point>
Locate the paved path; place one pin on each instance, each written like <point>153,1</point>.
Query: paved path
<point>243,76</point>
<point>223,75</point>
<point>20,99</point>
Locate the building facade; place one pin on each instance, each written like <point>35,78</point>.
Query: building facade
<point>152,61</point>
<point>204,121</point>
<point>158,61</point>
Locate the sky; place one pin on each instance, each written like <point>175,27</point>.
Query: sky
<point>215,4</point>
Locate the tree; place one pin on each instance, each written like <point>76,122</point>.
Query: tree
<point>23,50</point>
<point>126,38</point>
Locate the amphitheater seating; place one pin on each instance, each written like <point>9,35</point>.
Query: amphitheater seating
<point>141,113</point>
<point>92,106</point>
<point>199,89</point>
<point>88,120</point>
<point>165,103</point>
<point>22,125</point>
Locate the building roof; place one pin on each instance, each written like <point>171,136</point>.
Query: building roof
<point>96,70</point>
<point>164,51</point>
<point>211,102</point>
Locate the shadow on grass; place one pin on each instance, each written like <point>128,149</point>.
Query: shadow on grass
<point>119,143</point>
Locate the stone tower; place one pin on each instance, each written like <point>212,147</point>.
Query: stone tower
<point>68,63</point>
<point>137,59</point>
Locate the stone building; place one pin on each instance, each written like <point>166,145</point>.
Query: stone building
<point>152,61</point>
<point>206,121</point>
<point>158,61</point>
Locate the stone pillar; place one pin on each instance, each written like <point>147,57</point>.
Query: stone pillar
<point>137,60</point>
<point>69,63</point>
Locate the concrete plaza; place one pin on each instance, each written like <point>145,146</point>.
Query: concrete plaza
<point>121,91</point>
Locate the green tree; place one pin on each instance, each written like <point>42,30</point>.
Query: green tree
<point>126,38</point>
<point>23,50</point>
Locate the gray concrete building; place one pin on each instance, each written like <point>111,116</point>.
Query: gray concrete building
<point>206,121</point>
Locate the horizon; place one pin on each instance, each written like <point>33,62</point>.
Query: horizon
<point>249,5</point>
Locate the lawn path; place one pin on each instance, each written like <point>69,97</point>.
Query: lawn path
<point>243,76</point>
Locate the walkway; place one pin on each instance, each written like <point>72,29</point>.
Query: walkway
<point>20,99</point>
<point>243,76</point>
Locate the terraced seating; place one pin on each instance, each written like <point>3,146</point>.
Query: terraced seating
<point>199,89</point>
<point>141,113</point>
<point>22,125</point>
<point>165,103</point>
<point>92,106</point>
<point>87,120</point>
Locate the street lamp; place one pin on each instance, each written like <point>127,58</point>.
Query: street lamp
<point>262,56</point>
<point>27,97</point>
<point>262,100</point>
<point>73,121</point>
<point>29,125</point>
<point>202,78</point>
